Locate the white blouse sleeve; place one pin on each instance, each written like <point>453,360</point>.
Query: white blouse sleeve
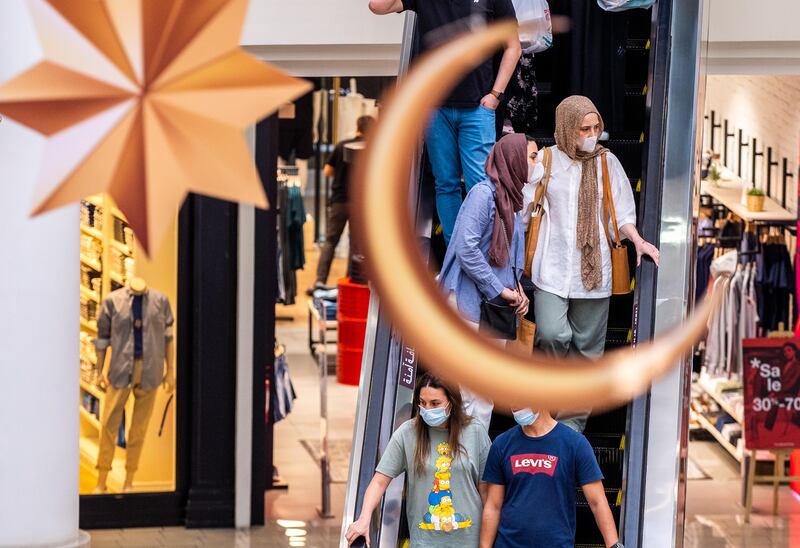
<point>624,203</point>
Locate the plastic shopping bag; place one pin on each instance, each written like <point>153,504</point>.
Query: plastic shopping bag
<point>622,5</point>
<point>536,29</point>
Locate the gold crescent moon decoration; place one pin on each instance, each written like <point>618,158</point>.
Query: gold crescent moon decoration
<point>384,226</point>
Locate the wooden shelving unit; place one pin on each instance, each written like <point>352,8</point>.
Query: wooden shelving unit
<point>726,407</point>
<point>89,326</point>
<point>94,421</point>
<point>717,397</point>
<point>728,446</point>
<point>102,267</point>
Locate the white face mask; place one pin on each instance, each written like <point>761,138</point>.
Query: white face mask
<point>587,144</point>
<point>535,172</point>
<point>525,417</point>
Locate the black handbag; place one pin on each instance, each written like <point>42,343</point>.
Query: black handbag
<point>498,318</point>
<point>529,289</point>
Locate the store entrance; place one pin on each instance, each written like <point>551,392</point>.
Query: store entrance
<point>127,342</point>
<point>743,423</point>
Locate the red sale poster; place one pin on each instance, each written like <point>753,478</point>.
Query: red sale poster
<point>771,393</point>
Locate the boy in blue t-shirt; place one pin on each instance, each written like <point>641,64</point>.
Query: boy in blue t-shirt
<point>532,471</point>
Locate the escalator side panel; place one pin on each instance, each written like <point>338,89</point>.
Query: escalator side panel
<point>644,300</point>
<point>663,517</point>
<point>367,426</point>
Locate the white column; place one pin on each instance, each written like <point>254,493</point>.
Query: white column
<point>244,357</point>
<point>39,326</point>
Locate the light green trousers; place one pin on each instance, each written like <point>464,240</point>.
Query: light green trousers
<point>570,326</point>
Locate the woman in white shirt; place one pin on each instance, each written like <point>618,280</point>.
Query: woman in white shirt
<point>572,266</point>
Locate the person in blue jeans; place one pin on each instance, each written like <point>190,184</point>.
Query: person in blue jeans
<point>532,472</point>
<point>462,131</point>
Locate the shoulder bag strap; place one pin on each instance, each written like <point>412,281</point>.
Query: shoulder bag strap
<point>508,247</point>
<point>532,234</point>
<point>541,192</point>
<point>608,205</point>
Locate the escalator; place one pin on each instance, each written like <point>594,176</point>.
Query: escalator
<point>622,62</point>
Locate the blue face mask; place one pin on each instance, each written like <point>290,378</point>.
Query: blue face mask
<point>525,417</point>
<point>434,417</point>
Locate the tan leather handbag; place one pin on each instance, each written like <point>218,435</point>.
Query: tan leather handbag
<point>620,271</point>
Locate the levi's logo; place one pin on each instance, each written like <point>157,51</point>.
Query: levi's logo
<point>534,464</point>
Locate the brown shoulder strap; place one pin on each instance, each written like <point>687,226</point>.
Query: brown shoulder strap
<point>532,234</point>
<point>608,204</point>
<point>541,191</point>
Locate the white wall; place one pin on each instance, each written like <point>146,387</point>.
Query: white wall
<point>39,279</point>
<point>764,107</point>
<point>754,21</point>
<point>324,37</point>
<point>754,37</point>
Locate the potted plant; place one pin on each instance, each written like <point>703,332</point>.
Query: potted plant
<point>755,199</point>
<point>714,174</point>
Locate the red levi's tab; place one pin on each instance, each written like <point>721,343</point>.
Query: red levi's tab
<point>534,464</point>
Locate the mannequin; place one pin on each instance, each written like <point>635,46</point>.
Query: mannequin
<point>136,322</point>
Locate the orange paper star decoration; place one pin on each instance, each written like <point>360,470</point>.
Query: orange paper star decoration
<point>146,100</point>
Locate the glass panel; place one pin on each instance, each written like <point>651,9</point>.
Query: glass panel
<point>127,349</point>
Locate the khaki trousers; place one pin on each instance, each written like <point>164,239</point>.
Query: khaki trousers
<point>114,405</point>
<point>571,327</point>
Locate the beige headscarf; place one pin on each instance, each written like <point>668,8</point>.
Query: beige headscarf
<point>569,118</point>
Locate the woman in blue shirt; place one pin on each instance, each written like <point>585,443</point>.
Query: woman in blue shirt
<point>488,244</point>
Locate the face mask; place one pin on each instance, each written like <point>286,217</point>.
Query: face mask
<point>525,417</point>
<point>587,144</point>
<point>535,172</point>
<point>435,416</point>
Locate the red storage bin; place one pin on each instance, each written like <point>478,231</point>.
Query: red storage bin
<point>348,365</point>
<point>353,300</point>
<point>352,308</point>
<point>351,332</point>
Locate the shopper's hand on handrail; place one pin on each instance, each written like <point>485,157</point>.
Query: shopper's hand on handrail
<point>358,533</point>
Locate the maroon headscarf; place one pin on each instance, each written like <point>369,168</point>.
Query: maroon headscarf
<point>507,167</point>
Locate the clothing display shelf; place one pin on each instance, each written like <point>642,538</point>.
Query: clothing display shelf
<point>735,451</point>
<point>717,389</point>
<point>729,193</point>
<point>316,323</point>
<point>720,390</point>
<point>107,261</point>
<point>711,387</point>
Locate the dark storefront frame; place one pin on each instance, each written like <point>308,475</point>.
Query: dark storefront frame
<point>205,447</point>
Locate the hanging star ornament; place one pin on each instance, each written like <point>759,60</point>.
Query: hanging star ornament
<point>146,100</point>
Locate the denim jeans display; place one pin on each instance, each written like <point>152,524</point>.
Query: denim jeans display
<point>458,141</point>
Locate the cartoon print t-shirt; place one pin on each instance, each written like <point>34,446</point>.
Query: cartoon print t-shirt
<point>443,505</point>
<point>540,476</point>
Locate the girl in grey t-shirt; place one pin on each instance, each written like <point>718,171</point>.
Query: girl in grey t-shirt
<point>443,451</point>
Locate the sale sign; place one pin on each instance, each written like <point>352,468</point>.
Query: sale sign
<point>771,393</point>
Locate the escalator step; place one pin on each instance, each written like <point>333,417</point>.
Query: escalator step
<point>611,422</point>
<point>611,441</point>
<point>587,532</point>
<point>613,496</point>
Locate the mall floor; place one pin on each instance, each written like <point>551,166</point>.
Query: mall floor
<point>713,512</point>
